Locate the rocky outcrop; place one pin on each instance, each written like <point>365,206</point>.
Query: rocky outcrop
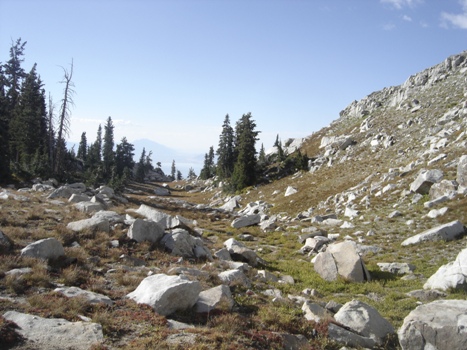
<point>90,297</point>
<point>215,299</point>
<point>179,242</point>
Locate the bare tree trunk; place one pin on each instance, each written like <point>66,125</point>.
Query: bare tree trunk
<point>64,118</point>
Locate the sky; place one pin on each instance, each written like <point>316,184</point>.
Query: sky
<point>170,70</point>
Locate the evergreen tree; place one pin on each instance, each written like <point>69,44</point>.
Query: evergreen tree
<point>14,72</point>
<point>4,121</point>
<point>83,148</point>
<point>301,161</point>
<point>108,155</point>
<point>11,77</point>
<point>28,127</point>
<point>225,151</point>
<point>191,174</point>
<point>280,150</point>
<point>262,160</point>
<point>244,173</point>
<point>124,158</point>
<point>179,175</point>
<point>208,170</point>
<point>51,131</point>
<point>173,170</point>
<point>140,168</point>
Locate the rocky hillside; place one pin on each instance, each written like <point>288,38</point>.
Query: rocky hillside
<point>365,250</point>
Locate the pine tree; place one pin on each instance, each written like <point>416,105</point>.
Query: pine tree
<point>173,170</point>
<point>28,127</point>
<point>108,155</point>
<point>225,151</point>
<point>83,148</point>
<point>179,175</point>
<point>208,170</point>
<point>124,158</point>
<point>4,120</point>
<point>14,72</point>
<point>140,168</point>
<point>244,173</point>
<point>280,151</point>
<point>191,174</point>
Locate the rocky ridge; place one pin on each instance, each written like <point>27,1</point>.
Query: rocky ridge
<point>354,244</point>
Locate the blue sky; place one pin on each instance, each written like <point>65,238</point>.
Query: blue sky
<point>171,70</point>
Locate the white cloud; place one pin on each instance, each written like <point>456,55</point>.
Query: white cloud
<point>407,18</point>
<point>399,4</point>
<point>456,20</point>
<point>389,26</point>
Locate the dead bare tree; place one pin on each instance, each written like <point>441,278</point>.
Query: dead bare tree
<point>64,117</point>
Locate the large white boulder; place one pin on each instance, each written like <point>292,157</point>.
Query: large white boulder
<point>165,220</point>
<point>167,294</point>
<point>364,320</point>
<point>246,220</point>
<point>446,232</point>
<point>55,333</point>
<point>341,259</point>
<point>143,230</point>
<point>48,248</point>
<point>425,179</point>
<point>180,243</point>
<point>451,275</point>
<point>440,325</point>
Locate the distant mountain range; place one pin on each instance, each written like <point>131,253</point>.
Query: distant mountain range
<point>160,153</point>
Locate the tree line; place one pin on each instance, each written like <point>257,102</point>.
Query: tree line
<point>33,140</point>
<point>33,134</point>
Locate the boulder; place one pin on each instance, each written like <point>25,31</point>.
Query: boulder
<point>179,242</point>
<point>462,171</point>
<point>341,259</point>
<point>315,243</point>
<point>290,191</point>
<point>215,299</point>
<point>425,179</point>
<point>246,220</point>
<point>234,277</point>
<point>396,268</point>
<point>364,320</point>
<point>239,252</point>
<point>111,216</point>
<point>446,188</point>
<point>349,338</point>
<point>451,275</point>
<point>167,294</point>
<point>143,230</point>
<point>54,333</point>
<point>90,297</point>
<point>165,220</point>
<point>48,248</point>
<point>315,312</point>
<point>89,207</point>
<point>446,232</point>
<point>438,325</point>
<point>6,244</point>
<point>268,224</point>
<point>78,197</point>
<point>434,213</point>
<point>231,204</point>
<point>94,223</point>
<point>67,190</point>
<point>161,191</point>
